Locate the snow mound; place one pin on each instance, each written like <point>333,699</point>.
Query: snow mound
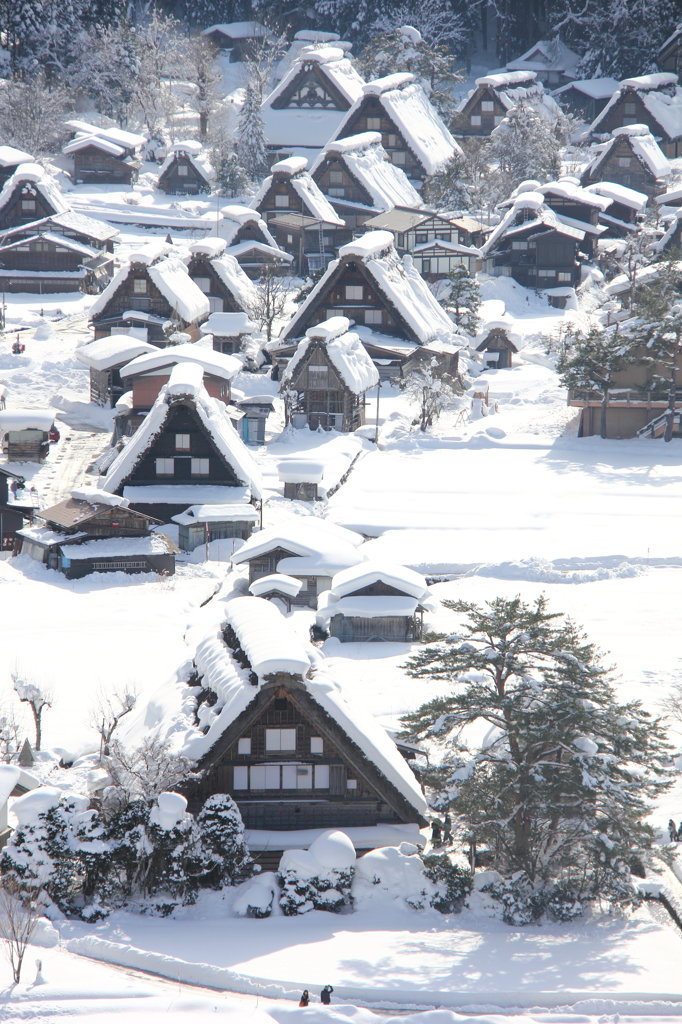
<point>333,849</point>
<point>169,810</point>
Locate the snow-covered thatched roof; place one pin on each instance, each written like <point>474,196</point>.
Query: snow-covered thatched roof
<point>366,160</point>
<point>529,211</point>
<point>406,104</point>
<point>661,97</point>
<point>170,277</point>
<point>194,153</point>
<point>186,382</point>
<point>31,178</point>
<point>593,88</point>
<point>239,29</point>
<point>547,55</point>
<point>234,217</point>
<point>619,194</point>
<point>235,280</point>
<point>332,63</point>
<point>271,646</point>
<point>346,354</point>
<point>318,547</point>
<point>295,170</point>
<point>11,157</point>
<point>513,88</point>
<point>643,145</point>
<point>396,279</point>
<point>219,364</point>
<point>66,222</point>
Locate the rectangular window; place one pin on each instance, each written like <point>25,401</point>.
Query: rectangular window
<point>240,777</point>
<point>336,177</point>
<point>257,776</point>
<point>564,276</point>
<point>318,376</point>
<point>182,170</point>
<point>165,467</point>
<point>244,745</point>
<point>316,745</point>
<point>336,192</point>
<point>199,467</point>
<point>546,273</point>
<point>475,120</point>
<point>321,776</point>
<point>140,286</point>
<point>392,139</point>
<point>354,292</point>
<point>623,161</point>
<point>280,739</point>
<point>398,156</point>
<point>204,285</point>
<point>282,201</point>
<point>272,776</point>
<point>373,124</point>
<point>373,316</point>
<point>521,246</point>
<point>630,108</point>
<point>426,267</point>
<point>351,783</point>
<point>421,237</point>
<point>487,105</point>
<point>182,442</point>
<point>28,205</point>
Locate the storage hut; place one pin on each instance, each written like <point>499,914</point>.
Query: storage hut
<point>301,478</point>
<point>16,507</point>
<point>279,588</point>
<point>325,382</point>
<point>371,601</point>
<point>306,547</point>
<point>202,524</point>
<point>103,155</point>
<point>496,342</point>
<point>229,332</point>
<point>26,434</point>
<point>249,240</point>
<point>105,359</point>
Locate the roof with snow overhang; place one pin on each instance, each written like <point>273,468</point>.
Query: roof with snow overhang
<point>366,161</point>
<point>661,97</point>
<point>346,353</point>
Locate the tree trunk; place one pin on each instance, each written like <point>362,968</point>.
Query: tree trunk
<point>604,410</point>
<point>672,395</point>
<point>37,712</point>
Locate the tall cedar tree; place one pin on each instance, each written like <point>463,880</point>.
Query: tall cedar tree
<point>665,349</point>
<point>464,299</point>
<point>593,363</point>
<point>562,783</point>
<point>251,147</point>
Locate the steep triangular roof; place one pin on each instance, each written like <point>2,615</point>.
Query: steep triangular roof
<point>661,97</point>
<point>345,351</point>
<point>643,146</point>
<point>332,69</point>
<point>194,153</point>
<point>407,106</point>
<point>170,277</point>
<point>32,178</point>
<point>236,217</point>
<point>186,385</point>
<point>366,161</point>
<point>512,88</point>
<point>294,172</point>
<point>396,280</point>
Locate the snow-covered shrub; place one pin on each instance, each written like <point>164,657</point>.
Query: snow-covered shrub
<point>453,882</point>
<point>256,897</point>
<point>520,902</point>
<point>395,874</point>
<point>319,878</point>
<point>225,853</point>
<point>562,902</point>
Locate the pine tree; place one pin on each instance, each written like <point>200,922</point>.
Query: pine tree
<point>464,299</point>
<point>527,145</point>
<point>561,787</point>
<point>593,364</point>
<point>447,190</point>
<point>231,176</point>
<point>221,831</point>
<point>251,148</point>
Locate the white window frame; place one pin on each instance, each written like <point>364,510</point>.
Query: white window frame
<point>316,745</point>
<point>244,745</point>
<point>398,157</point>
<point>182,442</point>
<point>321,776</point>
<point>165,467</point>
<point>280,739</point>
<point>199,467</point>
<point>373,124</point>
<point>336,177</point>
<point>140,286</point>
<point>354,293</point>
<point>373,317</point>
<point>546,273</point>
<point>488,106</point>
<point>475,120</point>
<point>564,275</point>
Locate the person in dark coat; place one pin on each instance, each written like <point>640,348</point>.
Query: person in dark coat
<point>672,831</point>
<point>447,829</point>
<point>435,832</point>
<point>326,995</point>
<point>305,998</point>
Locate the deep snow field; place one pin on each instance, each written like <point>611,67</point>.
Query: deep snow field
<point>512,503</point>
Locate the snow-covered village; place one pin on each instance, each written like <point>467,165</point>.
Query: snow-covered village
<point>340,468</point>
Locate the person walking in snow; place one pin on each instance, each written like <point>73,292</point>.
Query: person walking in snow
<point>305,998</point>
<point>672,831</point>
<point>435,832</point>
<point>447,829</point>
<point>326,995</point>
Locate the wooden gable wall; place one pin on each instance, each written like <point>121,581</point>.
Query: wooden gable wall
<point>191,182</point>
<point>311,88</point>
<point>371,116</point>
<point>25,204</point>
<point>633,174</point>
<point>126,298</point>
<point>92,164</point>
<point>220,297</point>
<point>481,113</point>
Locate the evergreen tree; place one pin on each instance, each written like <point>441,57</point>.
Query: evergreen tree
<point>527,145</point>
<point>221,831</point>
<point>464,299</point>
<point>664,347</point>
<point>561,787</point>
<point>251,148</point>
<point>593,363</point>
<point>447,190</point>
<point>230,175</point>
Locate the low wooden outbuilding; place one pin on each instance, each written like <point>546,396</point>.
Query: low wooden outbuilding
<point>186,170</point>
<point>105,358</point>
<point>201,524</point>
<point>26,434</point>
<point>497,344</point>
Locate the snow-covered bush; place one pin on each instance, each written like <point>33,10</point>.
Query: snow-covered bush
<point>453,882</point>
<point>395,874</point>
<point>319,878</point>
<point>520,902</point>
<point>562,902</point>
<point>256,897</point>
<point>221,830</point>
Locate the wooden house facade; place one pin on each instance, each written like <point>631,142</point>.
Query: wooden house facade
<point>327,379</point>
<point>413,135</point>
<point>103,155</point>
<point>295,755</point>
<point>495,96</point>
<point>585,98</point>
<point>532,245</point>
<point>371,286</point>
<point>185,452</point>
<point>49,262</point>
<point>75,227</point>
<point>26,434</point>
<point>371,602</point>
<point>202,524</point>
<point>626,207</point>
<point>29,196</point>
<point>553,63</point>
<point>670,53</point>
<point>497,346</point>
<point>158,289</point>
<point>651,100</point>
<point>632,158</point>
<point>300,218</point>
<point>94,532</point>
<point>185,171</point>
<point>220,278</point>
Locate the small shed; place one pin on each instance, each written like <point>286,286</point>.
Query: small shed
<point>438,258</point>
<point>301,479</point>
<point>254,411</point>
<point>239,37</point>
<point>496,342</point>
<point>229,331</point>
<point>201,524</point>
<point>14,511</point>
<point>105,358</point>
<point>371,601</point>
<point>277,587</point>
<point>25,434</point>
